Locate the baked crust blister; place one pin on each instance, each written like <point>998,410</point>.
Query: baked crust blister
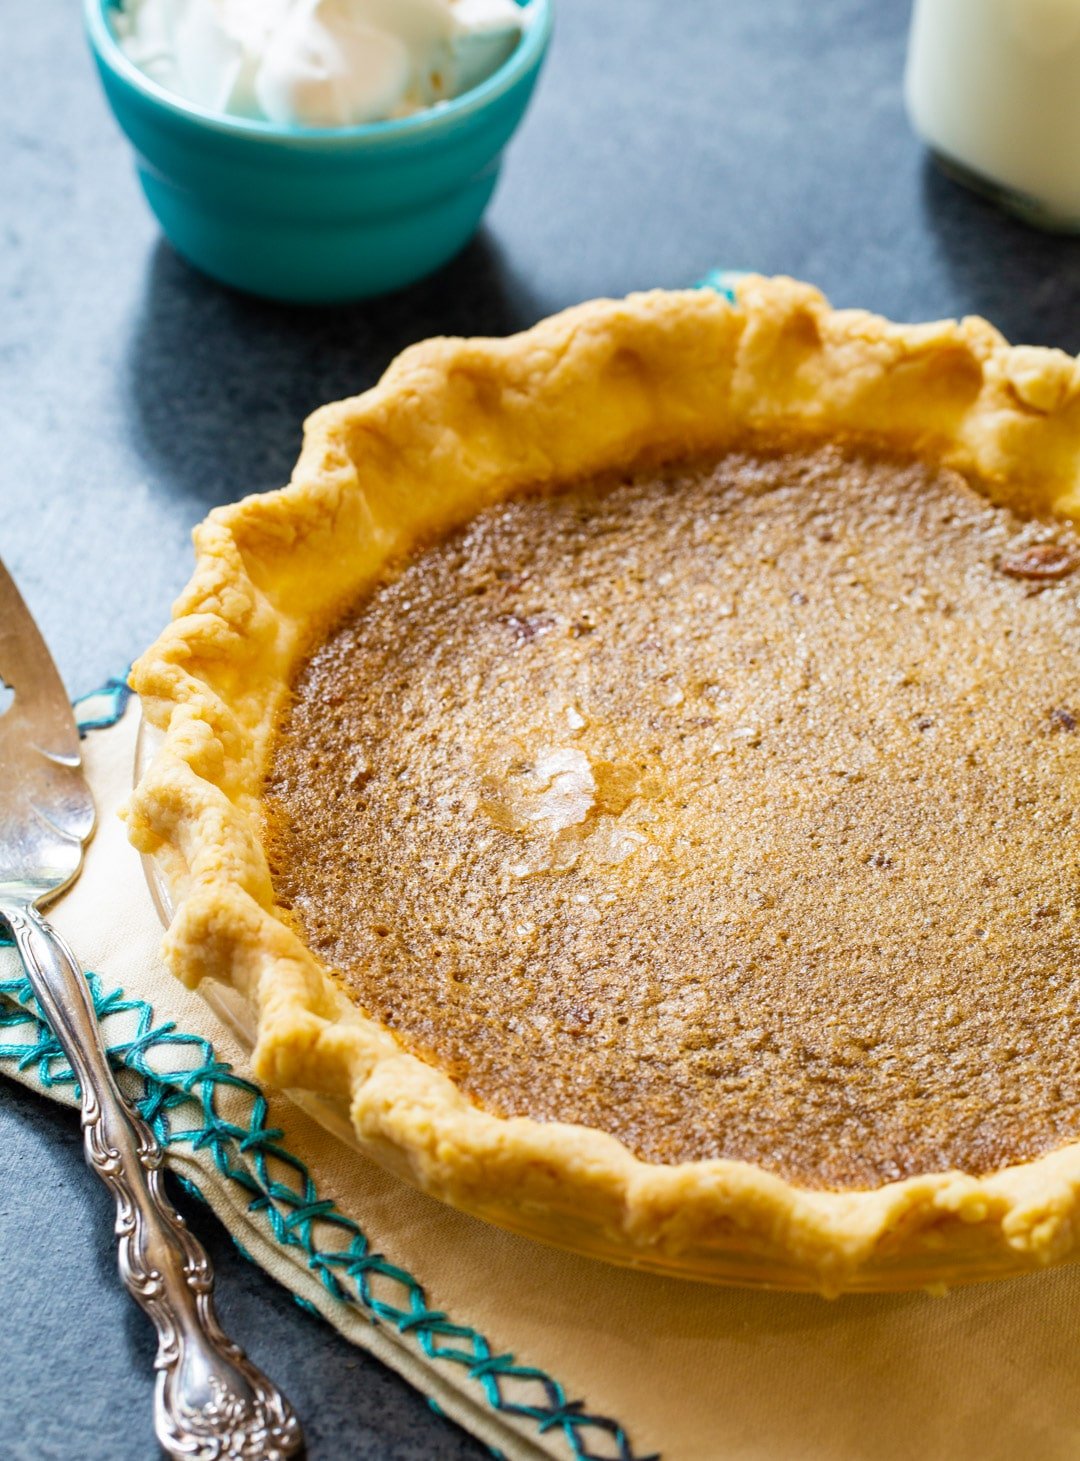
<point>454,426</point>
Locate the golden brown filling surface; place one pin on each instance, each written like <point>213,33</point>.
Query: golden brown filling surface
<point>727,808</point>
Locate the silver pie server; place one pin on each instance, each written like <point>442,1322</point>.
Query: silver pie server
<point>211,1403</point>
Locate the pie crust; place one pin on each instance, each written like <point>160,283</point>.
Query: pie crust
<point>454,426</point>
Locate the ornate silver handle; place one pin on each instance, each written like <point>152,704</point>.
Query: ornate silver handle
<point>211,1403</point>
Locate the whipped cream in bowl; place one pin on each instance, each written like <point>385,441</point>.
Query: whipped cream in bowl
<point>318,63</point>
<point>318,151</point>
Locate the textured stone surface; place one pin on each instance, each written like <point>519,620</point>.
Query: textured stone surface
<point>134,395</point>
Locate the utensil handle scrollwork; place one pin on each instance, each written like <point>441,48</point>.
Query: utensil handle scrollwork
<point>211,1402</point>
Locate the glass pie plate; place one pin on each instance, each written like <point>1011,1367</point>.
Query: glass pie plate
<point>728,1260</point>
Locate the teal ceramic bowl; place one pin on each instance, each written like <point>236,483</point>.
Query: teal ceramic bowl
<point>310,216</point>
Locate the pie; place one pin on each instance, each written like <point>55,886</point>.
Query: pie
<point>632,766</point>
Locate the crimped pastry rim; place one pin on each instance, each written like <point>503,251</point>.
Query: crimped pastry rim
<point>452,426</point>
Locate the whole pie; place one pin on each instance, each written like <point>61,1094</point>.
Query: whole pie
<point>634,767</point>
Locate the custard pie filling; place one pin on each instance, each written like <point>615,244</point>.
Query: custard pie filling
<point>723,806</point>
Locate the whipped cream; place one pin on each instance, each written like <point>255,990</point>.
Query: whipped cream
<point>318,63</point>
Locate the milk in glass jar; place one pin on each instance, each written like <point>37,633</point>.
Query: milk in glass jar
<point>993,88</point>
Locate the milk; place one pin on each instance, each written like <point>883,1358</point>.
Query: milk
<point>993,87</point>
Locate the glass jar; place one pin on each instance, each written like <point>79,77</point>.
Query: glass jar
<point>993,88</point>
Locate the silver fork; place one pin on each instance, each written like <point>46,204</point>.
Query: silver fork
<point>211,1403</point>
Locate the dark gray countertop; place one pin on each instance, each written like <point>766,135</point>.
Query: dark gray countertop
<point>134,395</point>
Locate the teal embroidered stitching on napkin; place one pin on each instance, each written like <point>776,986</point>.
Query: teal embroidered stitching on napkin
<point>279,1186</point>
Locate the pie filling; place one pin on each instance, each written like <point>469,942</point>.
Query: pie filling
<point>726,807</point>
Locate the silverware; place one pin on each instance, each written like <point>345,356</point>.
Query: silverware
<point>211,1403</point>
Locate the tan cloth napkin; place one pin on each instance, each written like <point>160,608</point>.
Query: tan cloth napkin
<point>654,1365</point>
